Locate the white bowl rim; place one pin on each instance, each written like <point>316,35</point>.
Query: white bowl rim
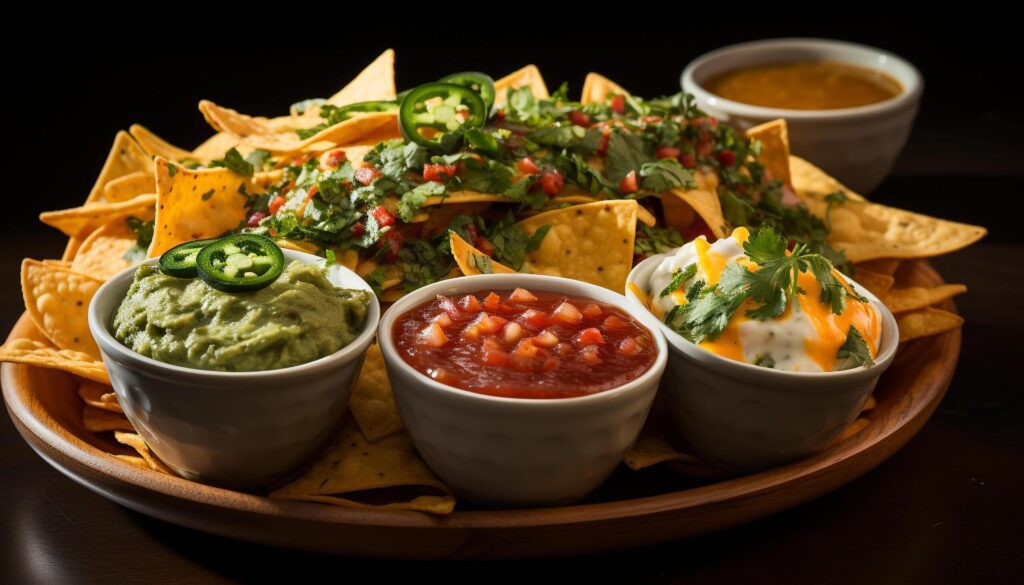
<point>913,86</point>
<point>730,367</point>
<point>467,284</point>
<point>98,325</point>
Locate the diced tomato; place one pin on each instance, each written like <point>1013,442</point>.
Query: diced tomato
<point>589,336</point>
<point>704,146</point>
<point>521,295</point>
<point>567,313</point>
<point>484,324</point>
<point>492,302</point>
<point>628,184</point>
<point>358,229</point>
<point>439,173</point>
<point>526,166</point>
<point>366,175</point>
<point>552,182</point>
<point>500,115</point>
<point>275,204</point>
<point>391,241</point>
<point>590,355</point>
<point>619,104</point>
<point>727,158</point>
<point>495,357</point>
<point>629,347</point>
<point>535,320</point>
<point>469,303</point>
<point>383,216</point>
<point>613,323</point>
<point>592,311</point>
<point>512,332</point>
<point>255,219</point>
<point>546,339</point>
<point>448,306</point>
<point>549,364</point>
<point>433,336</point>
<point>443,319</point>
<point>602,145</point>
<point>579,118</point>
<point>332,159</point>
<point>525,348</point>
<point>688,160</point>
<point>650,119</point>
<point>667,152</point>
<point>484,246</point>
<point>564,349</point>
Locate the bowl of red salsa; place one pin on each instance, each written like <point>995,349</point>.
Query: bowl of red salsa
<point>521,389</point>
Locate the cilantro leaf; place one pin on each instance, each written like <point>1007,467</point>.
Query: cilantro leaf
<point>855,350</point>
<point>511,243</point>
<point>625,153</point>
<point>711,308</point>
<point>680,276</point>
<point>665,174</point>
<point>410,203</point>
<point>234,161</point>
<point>482,263</point>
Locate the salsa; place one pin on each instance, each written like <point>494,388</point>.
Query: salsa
<point>823,85</point>
<point>524,344</point>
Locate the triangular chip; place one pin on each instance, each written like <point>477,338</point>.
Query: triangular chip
<point>57,300</point>
<point>375,83</point>
<point>156,146</point>
<point>215,146</point>
<point>472,261</point>
<point>79,222</point>
<point>528,76</point>
<point>371,403</point>
<point>809,179</point>
<point>125,157</point>
<point>774,155</point>
<point>102,254</point>
<point>597,88</point>
<point>99,396</point>
<point>192,205</point>
<point>128,186</point>
<point>591,242</point>
<point>902,300</point>
<point>926,322</point>
<point>881,266</point>
<point>702,199</point>
<point>135,441</point>
<point>878,284</point>
<point>97,420</point>
<point>44,355</point>
<point>359,474</point>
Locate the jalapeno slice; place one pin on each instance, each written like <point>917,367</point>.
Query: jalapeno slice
<point>180,261</point>
<point>430,115</point>
<point>479,82</point>
<point>240,263</point>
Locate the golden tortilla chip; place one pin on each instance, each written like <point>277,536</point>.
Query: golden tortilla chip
<point>192,205</point>
<point>102,254</point>
<point>650,450</point>
<point>902,300</point>
<point>97,420</point>
<point>809,179</point>
<point>128,186</point>
<point>597,88</point>
<point>156,146</point>
<point>855,427</point>
<point>881,266</point>
<point>926,322</point>
<point>99,396</point>
<point>372,404</point>
<point>460,197</point>
<point>358,474</point>
<point>392,294</point>
<point>57,300</point>
<point>774,156</point>
<point>868,231</point>
<point>215,146</point>
<point>134,461</point>
<point>43,355</point>
<point>135,441</point>
<point>79,222</point>
<point>877,283</point>
<point>703,202</point>
<point>528,76</point>
<point>125,157</point>
<point>591,242</point>
<point>472,261</point>
<point>71,249</point>
<point>375,83</point>
<point>870,404</point>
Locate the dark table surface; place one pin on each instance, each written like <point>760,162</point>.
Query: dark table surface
<point>946,508</point>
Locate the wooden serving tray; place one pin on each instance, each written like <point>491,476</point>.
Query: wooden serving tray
<point>632,509</point>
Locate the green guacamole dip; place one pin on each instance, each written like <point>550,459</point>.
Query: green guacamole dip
<point>299,318</point>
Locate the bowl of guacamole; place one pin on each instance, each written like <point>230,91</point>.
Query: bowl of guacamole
<point>235,388</point>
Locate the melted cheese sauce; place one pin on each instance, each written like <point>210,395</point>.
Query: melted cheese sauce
<point>805,338</point>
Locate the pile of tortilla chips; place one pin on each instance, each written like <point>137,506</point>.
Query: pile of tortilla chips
<point>590,239</point>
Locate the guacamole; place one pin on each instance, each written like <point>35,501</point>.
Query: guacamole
<point>299,318</point>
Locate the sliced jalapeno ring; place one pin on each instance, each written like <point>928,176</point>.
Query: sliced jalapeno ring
<point>431,114</point>
<point>180,261</point>
<point>479,82</point>
<point>240,263</point>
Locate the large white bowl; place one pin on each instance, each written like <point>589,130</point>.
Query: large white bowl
<point>235,429</point>
<point>518,451</point>
<point>856,145</point>
<point>743,418</point>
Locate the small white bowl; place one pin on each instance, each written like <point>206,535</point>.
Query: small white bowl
<point>856,145</point>
<point>744,418</point>
<point>519,451</point>
<point>234,429</point>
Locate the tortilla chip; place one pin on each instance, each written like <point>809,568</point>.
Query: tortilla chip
<point>878,284</point>
<point>156,146</point>
<point>102,254</point>
<point>57,300</point>
<point>774,156</point>
<point>215,146</point>
<point>128,186</point>
<point>926,322</point>
<point>650,450</point>
<point>135,441</point>
<point>439,217</point>
<point>472,261</point>
<point>703,202</point>
<point>528,76</point>
<point>192,205</point>
<point>99,396</point>
<point>372,404</point>
<point>855,427</point>
<point>298,246</point>
<point>393,294</point>
<point>591,242</point>
<point>44,355</point>
<point>71,249</point>
<point>358,474</point>
<point>459,197</point>
<point>97,420</point>
<point>881,266</point>
<point>375,83</point>
<point>79,222</point>
<point>868,231</point>
<point>133,460</point>
<point>903,300</point>
<point>597,88</point>
<point>870,404</point>
<point>809,179</point>
<point>125,157</point>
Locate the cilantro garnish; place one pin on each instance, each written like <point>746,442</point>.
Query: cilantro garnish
<point>855,349</point>
<point>234,161</point>
<point>680,276</point>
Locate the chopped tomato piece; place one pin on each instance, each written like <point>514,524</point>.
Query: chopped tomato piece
<point>546,339</point>
<point>484,246</point>
<point>535,320</point>
<point>469,303</point>
<point>332,159</point>
<point>255,219</point>
<point>727,158</point>
<point>628,184</point>
<point>492,302</point>
<point>366,175</point>
<point>579,118</point>
<point>521,295</point>
<point>275,204</point>
<point>383,216</point>
<point>526,348</point>
<point>484,324</point>
<point>688,160</point>
<point>564,349</point>
<point>358,229</point>
<point>443,319</point>
<point>602,145</point>
<point>589,336</point>
<point>667,152</point>
<point>619,104</point>
<point>448,306</point>
<point>512,332</point>
<point>433,336</point>
<point>549,364</point>
<point>526,166</point>
<point>704,147</point>
<point>629,347</point>
<point>567,313</point>
<point>391,241</point>
<point>592,311</point>
<point>613,323</point>
<point>439,173</point>
<point>495,357</point>
<point>552,182</point>
<point>590,355</point>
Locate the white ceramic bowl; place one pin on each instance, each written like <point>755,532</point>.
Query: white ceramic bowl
<point>743,418</point>
<point>517,451</point>
<point>235,429</point>
<point>856,145</point>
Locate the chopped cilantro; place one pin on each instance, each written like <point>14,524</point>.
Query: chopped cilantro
<point>234,161</point>
<point>680,276</point>
<point>855,349</point>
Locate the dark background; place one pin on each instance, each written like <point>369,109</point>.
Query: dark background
<point>945,509</point>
